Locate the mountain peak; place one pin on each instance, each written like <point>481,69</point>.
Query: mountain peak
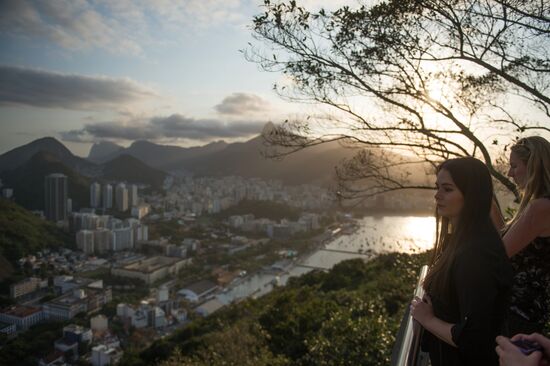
<point>18,156</point>
<point>102,150</point>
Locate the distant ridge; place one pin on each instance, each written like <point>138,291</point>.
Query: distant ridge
<point>164,157</point>
<point>22,154</point>
<point>313,165</point>
<point>129,169</point>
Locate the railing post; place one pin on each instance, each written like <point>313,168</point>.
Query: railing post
<point>407,344</point>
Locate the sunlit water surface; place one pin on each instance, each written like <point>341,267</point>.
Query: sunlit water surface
<point>376,235</point>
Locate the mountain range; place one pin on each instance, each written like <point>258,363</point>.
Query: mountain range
<point>313,165</point>
<point>149,163</point>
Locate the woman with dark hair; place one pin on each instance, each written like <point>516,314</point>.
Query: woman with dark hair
<point>527,237</point>
<point>470,276</point>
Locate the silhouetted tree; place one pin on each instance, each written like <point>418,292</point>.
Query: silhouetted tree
<point>436,78</point>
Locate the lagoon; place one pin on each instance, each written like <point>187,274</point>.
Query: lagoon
<point>375,235</point>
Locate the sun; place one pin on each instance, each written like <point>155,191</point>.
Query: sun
<point>436,90</point>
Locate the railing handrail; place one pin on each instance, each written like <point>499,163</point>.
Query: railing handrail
<point>410,332</point>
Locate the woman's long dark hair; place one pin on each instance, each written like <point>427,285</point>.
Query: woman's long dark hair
<point>473,180</point>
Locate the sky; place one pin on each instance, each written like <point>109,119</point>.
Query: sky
<point>168,71</point>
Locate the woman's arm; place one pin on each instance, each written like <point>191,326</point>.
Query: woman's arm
<point>496,215</point>
<point>422,312</point>
<point>534,222</point>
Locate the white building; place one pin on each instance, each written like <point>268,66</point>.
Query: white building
<point>124,311</point>
<point>23,317</point>
<point>107,196</point>
<point>95,195</point>
<point>151,269</point>
<point>99,323</point>
<point>141,210</point>
<point>85,241</point>
<point>121,197</point>
<point>159,317</point>
<point>102,240</point>
<point>209,307</point>
<point>140,318</point>
<point>133,199</point>
<point>27,286</point>
<point>104,355</point>
<point>122,239</point>
<point>162,293</point>
<point>7,193</point>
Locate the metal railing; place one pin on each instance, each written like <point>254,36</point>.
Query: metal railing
<point>406,351</point>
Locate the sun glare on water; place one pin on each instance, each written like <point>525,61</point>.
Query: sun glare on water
<point>422,231</point>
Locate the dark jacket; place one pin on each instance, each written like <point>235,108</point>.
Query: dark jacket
<point>481,278</point>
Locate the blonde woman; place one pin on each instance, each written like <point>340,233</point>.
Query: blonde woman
<point>527,236</point>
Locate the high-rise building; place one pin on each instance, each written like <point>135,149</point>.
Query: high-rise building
<point>121,197</point>
<point>133,195</point>
<point>85,241</point>
<point>102,240</point>
<point>55,207</point>
<point>122,239</point>
<point>95,195</point>
<point>107,196</point>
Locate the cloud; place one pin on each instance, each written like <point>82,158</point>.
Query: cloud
<point>242,103</point>
<point>174,127</point>
<point>121,26</point>
<point>70,24</point>
<point>38,88</point>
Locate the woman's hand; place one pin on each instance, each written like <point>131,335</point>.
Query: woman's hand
<point>510,355</point>
<point>422,310</point>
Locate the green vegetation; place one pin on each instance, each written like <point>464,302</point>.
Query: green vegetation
<point>31,345</point>
<point>22,233</point>
<point>348,316</point>
<point>261,209</point>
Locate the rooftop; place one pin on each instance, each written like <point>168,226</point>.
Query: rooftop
<point>151,264</point>
<point>201,287</point>
<point>20,311</point>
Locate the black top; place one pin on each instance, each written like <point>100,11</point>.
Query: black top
<point>531,290</point>
<point>481,277</point>
<point>530,297</point>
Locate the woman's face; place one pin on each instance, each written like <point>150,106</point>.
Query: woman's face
<point>448,197</point>
<point>518,170</point>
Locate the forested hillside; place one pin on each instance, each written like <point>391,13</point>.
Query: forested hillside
<point>23,233</point>
<point>348,316</point>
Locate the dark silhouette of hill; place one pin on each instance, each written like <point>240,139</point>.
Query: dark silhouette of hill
<point>27,181</point>
<point>22,154</point>
<point>103,150</point>
<point>132,170</point>
<point>165,157</point>
<point>312,165</point>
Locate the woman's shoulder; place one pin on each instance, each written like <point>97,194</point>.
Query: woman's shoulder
<point>538,210</point>
<point>539,205</point>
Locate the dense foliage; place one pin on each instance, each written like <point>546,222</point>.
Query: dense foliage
<point>30,346</point>
<point>22,233</point>
<point>348,316</point>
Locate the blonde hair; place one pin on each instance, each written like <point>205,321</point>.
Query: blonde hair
<point>534,152</point>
